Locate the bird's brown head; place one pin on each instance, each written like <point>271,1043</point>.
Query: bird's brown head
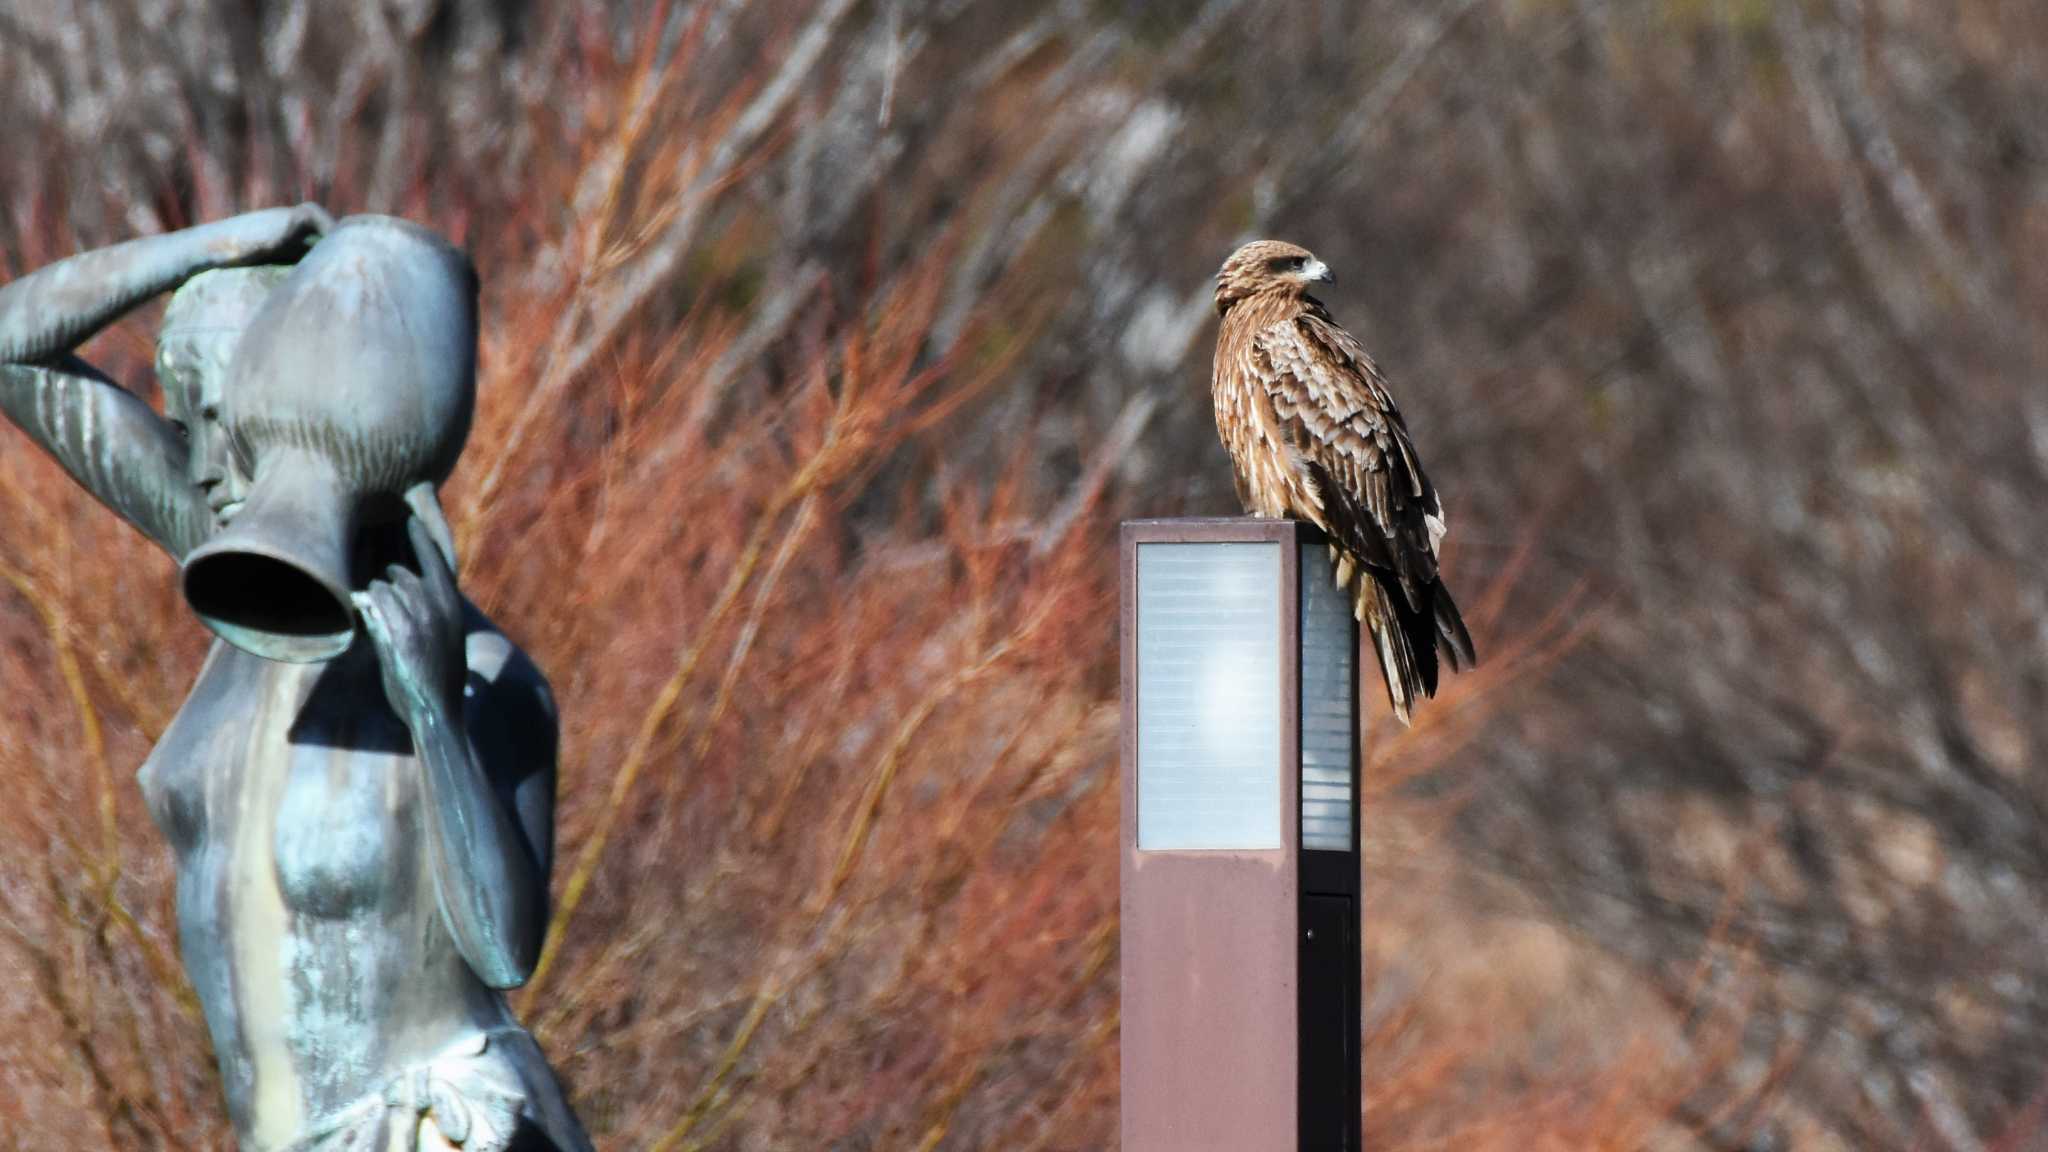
<point>1267,266</point>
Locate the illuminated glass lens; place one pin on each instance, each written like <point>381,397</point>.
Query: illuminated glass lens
<point>1328,655</point>
<point>1209,696</point>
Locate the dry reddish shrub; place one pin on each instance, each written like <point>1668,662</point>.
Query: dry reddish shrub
<point>835,770</point>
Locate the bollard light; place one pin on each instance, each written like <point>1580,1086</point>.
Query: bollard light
<point>1240,760</point>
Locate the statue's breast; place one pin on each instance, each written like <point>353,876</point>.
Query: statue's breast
<point>347,818</point>
<point>194,765</point>
<point>346,830</point>
<point>302,764</point>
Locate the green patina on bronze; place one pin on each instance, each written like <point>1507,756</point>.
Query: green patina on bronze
<point>359,789</point>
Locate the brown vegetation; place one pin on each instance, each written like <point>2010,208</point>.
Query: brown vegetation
<point>825,342</point>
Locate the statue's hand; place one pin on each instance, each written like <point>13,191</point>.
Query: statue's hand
<point>416,623</point>
<point>270,236</point>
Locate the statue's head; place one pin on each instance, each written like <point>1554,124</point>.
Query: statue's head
<point>352,383</point>
<point>201,329</point>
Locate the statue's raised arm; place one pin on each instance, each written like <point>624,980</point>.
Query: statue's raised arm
<point>166,475</point>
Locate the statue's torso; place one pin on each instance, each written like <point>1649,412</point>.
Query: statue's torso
<point>307,912</point>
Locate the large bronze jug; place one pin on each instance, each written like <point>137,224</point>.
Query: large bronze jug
<point>355,381</point>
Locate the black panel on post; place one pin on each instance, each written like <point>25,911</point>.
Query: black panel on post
<point>1329,1025</point>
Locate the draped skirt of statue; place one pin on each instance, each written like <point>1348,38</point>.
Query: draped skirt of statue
<point>487,1092</point>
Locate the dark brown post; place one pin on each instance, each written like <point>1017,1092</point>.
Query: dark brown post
<point>1240,958</point>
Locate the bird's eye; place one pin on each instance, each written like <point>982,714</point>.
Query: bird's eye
<point>211,413</point>
<point>1286,263</point>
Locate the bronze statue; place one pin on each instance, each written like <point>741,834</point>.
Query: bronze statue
<point>363,817</point>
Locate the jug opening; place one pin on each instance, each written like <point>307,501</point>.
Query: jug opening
<point>249,594</point>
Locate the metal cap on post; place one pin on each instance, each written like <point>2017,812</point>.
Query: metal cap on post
<point>1240,865</point>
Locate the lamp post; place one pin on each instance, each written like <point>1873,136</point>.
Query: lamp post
<point>1240,865</point>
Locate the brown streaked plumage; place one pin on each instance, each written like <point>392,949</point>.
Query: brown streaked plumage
<point>1315,436</point>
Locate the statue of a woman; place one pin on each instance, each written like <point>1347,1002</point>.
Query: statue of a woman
<point>363,840</point>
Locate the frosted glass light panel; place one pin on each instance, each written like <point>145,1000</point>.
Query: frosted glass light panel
<point>1209,696</point>
<point>1329,657</point>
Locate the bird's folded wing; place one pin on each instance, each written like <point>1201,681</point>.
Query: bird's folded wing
<point>1337,415</point>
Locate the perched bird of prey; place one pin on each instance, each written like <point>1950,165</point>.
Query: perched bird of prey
<point>1315,436</point>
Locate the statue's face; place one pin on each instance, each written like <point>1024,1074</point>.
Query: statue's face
<point>193,368</point>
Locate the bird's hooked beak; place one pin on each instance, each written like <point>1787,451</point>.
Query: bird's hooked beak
<point>1317,272</point>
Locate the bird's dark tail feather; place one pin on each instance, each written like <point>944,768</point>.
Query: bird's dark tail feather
<point>1384,618</point>
<point>1451,637</point>
<point>1418,633</point>
<point>1409,640</point>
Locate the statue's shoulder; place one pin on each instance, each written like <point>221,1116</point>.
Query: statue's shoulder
<point>495,659</point>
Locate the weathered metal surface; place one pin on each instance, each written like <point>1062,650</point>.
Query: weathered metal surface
<point>363,844</point>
